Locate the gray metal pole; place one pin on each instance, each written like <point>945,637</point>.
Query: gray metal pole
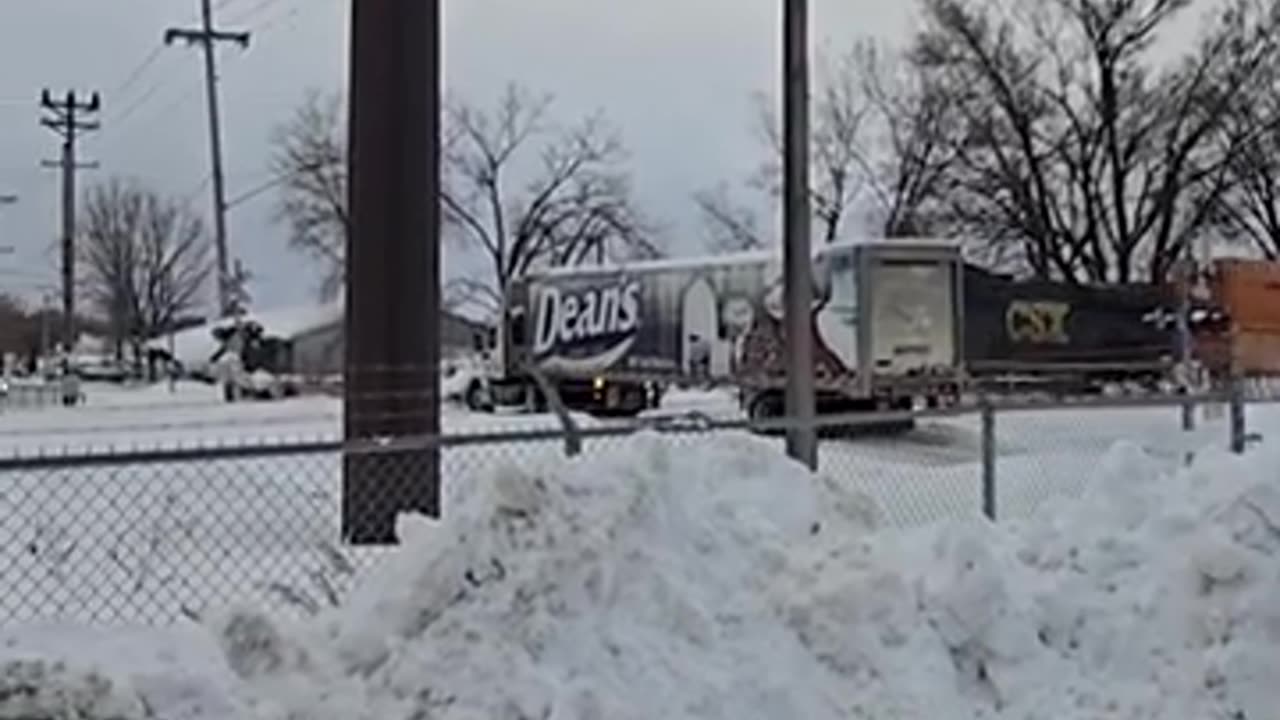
<point>392,380</point>
<point>801,434</point>
<point>1185,352</point>
<point>988,460</point>
<point>1239,431</point>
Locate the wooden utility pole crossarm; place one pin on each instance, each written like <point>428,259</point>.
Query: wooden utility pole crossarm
<point>207,37</point>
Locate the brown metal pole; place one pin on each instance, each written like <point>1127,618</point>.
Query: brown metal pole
<point>393,288</point>
<point>801,434</point>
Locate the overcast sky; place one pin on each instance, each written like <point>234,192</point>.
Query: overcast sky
<point>674,75</point>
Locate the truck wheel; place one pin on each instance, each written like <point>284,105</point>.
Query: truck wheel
<point>765,406</point>
<point>475,398</point>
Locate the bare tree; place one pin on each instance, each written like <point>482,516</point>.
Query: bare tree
<point>310,160</point>
<point>145,259</point>
<point>909,147</point>
<point>525,192</point>
<point>730,226</point>
<point>837,119</point>
<point>516,188</point>
<point>111,223</point>
<point>1077,151</point>
<point>1247,211</point>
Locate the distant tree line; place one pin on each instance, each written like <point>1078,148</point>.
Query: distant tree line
<point>1046,133</point>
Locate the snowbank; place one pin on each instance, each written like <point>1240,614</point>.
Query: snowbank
<point>712,579</point>
<point>716,580</point>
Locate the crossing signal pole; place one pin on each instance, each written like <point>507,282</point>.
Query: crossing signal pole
<point>68,118</point>
<point>207,37</point>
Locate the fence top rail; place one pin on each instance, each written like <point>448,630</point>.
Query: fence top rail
<point>1107,402</point>
<point>688,423</point>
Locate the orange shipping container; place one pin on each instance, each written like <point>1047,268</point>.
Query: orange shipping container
<point>1255,353</point>
<point>1251,353</point>
<point>1249,290</point>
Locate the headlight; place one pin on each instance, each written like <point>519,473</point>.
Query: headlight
<point>598,383</point>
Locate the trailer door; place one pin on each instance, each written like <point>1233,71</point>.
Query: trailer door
<point>913,326</point>
<point>837,322</point>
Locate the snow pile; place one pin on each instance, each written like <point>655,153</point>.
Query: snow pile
<point>39,690</point>
<point>717,580</point>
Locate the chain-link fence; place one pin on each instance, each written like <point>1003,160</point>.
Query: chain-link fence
<point>26,394</point>
<point>148,536</point>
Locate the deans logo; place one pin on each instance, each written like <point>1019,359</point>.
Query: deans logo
<point>590,327</point>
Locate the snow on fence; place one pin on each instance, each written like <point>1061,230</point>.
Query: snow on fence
<point>147,536</point>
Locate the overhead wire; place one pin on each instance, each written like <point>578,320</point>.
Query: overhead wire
<point>138,70</point>
<point>251,12</point>
<point>289,13</point>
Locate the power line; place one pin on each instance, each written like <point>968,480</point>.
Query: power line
<point>251,12</point>
<point>191,195</point>
<point>119,122</point>
<point>290,12</point>
<point>137,72</point>
<point>259,189</point>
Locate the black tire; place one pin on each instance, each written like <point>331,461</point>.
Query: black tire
<point>475,397</point>
<point>765,406</point>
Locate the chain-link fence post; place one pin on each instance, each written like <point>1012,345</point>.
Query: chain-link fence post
<point>988,459</point>
<point>1239,436</point>
<point>572,434</point>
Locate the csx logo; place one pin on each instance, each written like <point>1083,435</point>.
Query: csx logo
<point>1037,321</point>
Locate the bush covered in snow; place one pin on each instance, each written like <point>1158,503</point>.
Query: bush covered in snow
<point>714,579</point>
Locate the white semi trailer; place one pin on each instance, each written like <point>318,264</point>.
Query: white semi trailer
<point>886,320</point>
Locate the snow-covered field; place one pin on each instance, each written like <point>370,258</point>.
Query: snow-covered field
<point>673,576</point>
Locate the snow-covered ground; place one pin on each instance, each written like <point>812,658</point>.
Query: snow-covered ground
<point>714,579</point>
<point>689,541</point>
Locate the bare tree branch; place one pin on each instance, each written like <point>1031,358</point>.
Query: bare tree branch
<point>516,187</point>
<point>1098,164</point>
<point>310,158</point>
<point>145,258</point>
<point>730,227</point>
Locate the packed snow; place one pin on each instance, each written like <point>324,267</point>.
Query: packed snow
<point>715,579</point>
<point>675,575</point>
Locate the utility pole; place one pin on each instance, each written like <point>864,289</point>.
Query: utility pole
<point>208,37</point>
<point>797,265</point>
<point>64,118</point>
<point>391,381</point>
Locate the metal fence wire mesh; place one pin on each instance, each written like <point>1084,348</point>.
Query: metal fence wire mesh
<point>150,536</point>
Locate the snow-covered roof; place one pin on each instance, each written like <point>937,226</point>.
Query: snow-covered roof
<point>739,258</point>
<point>194,346</point>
